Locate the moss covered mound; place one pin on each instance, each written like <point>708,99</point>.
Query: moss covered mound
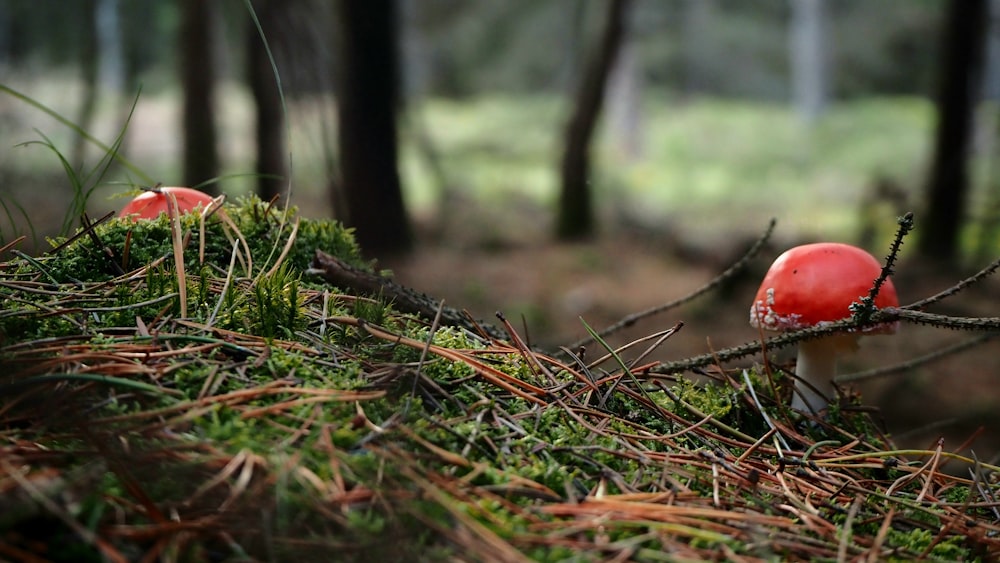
<point>238,408</point>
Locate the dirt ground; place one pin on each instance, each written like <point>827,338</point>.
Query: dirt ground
<point>548,288</point>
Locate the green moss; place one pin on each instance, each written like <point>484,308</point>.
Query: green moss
<point>130,245</point>
<point>918,540</point>
<point>267,305</point>
<point>712,400</point>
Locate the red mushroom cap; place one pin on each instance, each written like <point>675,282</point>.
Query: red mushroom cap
<point>813,284</point>
<point>149,205</point>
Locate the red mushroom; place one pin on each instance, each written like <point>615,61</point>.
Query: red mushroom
<point>813,285</point>
<point>149,204</point>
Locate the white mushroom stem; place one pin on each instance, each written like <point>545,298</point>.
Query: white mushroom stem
<point>815,367</point>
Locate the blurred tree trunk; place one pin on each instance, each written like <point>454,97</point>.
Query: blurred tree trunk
<point>808,45</point>
<point>986,137</point>
<point>270,138</point>
<point>139,42</point>
<point>89,68</point>
<point>367,99</point>
<point>197,70</point>
<point>573,44</point>
<point>625,86</point>
<point>103,67</point>
<point>109,46</point>
<point>697,19</point>
<point>576,213</point>
<point>948,181</point>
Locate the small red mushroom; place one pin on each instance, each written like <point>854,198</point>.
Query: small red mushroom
<point>812,285</point>
<point>149,204</point>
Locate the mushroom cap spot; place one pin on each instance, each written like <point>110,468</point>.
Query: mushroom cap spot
<point>815,284</point>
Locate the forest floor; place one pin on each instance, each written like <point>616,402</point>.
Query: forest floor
<point>548,287</point>
<point>485,263</point>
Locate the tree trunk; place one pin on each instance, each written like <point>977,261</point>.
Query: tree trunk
<point>101,62</point>
<point>576,215</point>
<point>109,46</point>
<point>948,181</point>
<point>987,135</point>
<point>807,43</point>
<point>88,53</point>
<point>696,46</point>
<point>270,138</point>
<point>625,119</point>
<point>367,138</point>
<point>138,42</point>
<point>201,159</point>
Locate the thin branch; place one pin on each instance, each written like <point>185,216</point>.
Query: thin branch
<point>886,315</point>
<point>939,321</point>
<point>916,362</point>
<point>714,283</point>
<point>344,275</point>
<point>953,290</point>
<point>864,310</point>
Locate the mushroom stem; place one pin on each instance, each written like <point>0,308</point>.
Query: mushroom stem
<point>816,365</point>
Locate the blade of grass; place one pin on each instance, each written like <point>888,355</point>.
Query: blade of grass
<point>92,378</point>
<point>71,175</point>
<point>177,237</point>
<point>83,186</point>
<point>77,129</point>
<point>10,218</point>
<point>277,82</point>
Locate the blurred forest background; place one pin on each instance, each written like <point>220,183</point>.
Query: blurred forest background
<point>550,158</point>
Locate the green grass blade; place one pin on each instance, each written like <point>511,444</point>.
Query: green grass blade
<point>77,129</point>
<point>92,378</point>
<point>10,218</point>
<point>71,174</point>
